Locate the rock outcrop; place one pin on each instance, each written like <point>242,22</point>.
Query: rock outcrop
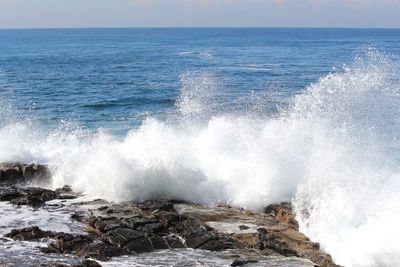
<point>134,228</point>
<point>17,173</point>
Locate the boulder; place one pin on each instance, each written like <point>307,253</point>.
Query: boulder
<point>139,245</point>
<point>121,236</point>
<point>31,233</point>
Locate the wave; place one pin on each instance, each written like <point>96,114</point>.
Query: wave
<point>334,153</point>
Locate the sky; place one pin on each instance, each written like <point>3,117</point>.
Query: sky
<point>199,13</point>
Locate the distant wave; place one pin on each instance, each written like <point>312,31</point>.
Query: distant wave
<point>126,102</point>
<point>334,152</point>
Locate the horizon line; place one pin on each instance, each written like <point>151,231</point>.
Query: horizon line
<point>202,27</point>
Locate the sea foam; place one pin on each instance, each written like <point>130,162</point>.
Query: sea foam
<point>334,153</point>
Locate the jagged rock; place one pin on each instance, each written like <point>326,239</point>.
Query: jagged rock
<point>139,245</point>
<point>88,263</point>
<point>153,227</point>
<point>121,236</point>
<point>159,204</point>
<point>65,193</point>
<point>174,241</point>
<point>104,224</point>
<point>241,262</point>
<point>220,243</point>
<point>283,213</point>
<point>30,233</point>
<point>135,222</point>
<point>269,239</point>
<point>9,193</point>
<point>129,227</point>
<point>15,173</point>
<point>243,227</point>
<point>99,251</point>
<point>198,239</point>
<point>157,242</point>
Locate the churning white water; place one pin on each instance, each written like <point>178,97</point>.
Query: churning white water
<point>334,152</point>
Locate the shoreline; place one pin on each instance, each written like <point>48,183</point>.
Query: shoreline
<point>246,238</point>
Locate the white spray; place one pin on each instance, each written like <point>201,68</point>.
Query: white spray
<point>334,152</point>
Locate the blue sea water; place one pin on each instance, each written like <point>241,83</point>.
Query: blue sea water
<point>241,116</point>
<point>114,78</point>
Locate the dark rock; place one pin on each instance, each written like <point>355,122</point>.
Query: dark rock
<point>135,222</point>
<point>157,242</point>
<point>45,194</point>
<point>174,241</point>
<point>68,243</point>
<point>154,227</point>
<point>31,196</point>
<point>169,217</point>
<point>159,204</point>
<point>77,216</point>
<point>30,233</point>
<point>187,227</point>
<point>243,227</point>
<point>107,224</point>
<point>241,262</point>
<point>99,251</point>
<point>269,239</point>
<point>65,193</point>
<point>140,245</point>
<point>48,250</point>
<point>35,201</point>
<point>198,239</point>
<point>8,193</point>
<point>218,244</point>
<point>88,263</point>
<point>11,174</point>
<point>121,236</point>
<point>15,173</point>
<point>39,174</point>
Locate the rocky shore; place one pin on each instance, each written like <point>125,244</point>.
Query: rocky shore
<point>244,237</point>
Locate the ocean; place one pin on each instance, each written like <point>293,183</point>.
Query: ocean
<point>244,116</point>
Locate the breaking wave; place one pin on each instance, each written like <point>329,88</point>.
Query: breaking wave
<point>334,152</point>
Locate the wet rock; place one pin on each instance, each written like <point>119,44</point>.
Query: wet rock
<point>174,241</point>
<point>198,239</point>
<point>269,239</point>
<point>11,174</point>
<point>65,193</point>
<point>188,227</point>
<point>104,224</point>
<point>139,245</point>
<point>31,233</point>
<point>99,251</point>
<point>159,204</point>
<point>241,262</point>
<point>44,194</point>
<point>221,243</point>
<point>9,193</point>
<point>136,222</point>
<point>39,174</point>
<point>48,250</point>
<point>283,213</point>
<point>154,227</point>
<point>121,236</point>
<point>157,242</point>
<point>88,263</point>
<point>32,201</point>
<point>78,216</point>
<point>243,227</point>
<point>31,196</point>
<point>16,173</point>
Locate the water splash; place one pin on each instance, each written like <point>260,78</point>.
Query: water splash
<point>334,152</point>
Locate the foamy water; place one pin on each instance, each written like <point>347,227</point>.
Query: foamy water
<point>334,152</point>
